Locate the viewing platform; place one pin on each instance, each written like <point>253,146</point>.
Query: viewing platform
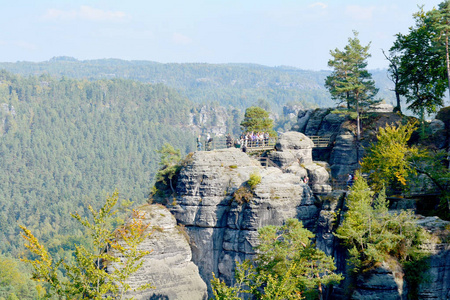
<point>256,146</point>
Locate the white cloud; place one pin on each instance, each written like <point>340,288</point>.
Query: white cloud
<point>84,13</point>
<point>318,4</point>
<point>358,12</point>
<point>181,39</point>
<point>93,14</point>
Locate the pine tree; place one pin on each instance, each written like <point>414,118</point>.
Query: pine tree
<point>350,81</point>
<point>257,119</point>
<point>288,266</point>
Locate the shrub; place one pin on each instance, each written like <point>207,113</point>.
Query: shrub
<point>254,180</point>
<point>242,195</point>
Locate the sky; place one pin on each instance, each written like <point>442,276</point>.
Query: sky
<point>296,33</point>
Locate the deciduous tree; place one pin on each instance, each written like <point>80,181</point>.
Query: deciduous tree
<point>440,23</point>
<point>387,160</point>
<point>422,71</point>
<point>88,277</point>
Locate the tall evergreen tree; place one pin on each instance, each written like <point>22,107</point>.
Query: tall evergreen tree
<point>350,81</point>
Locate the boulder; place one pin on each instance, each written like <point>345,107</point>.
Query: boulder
<point>382,108</point>
<point>296,143</point>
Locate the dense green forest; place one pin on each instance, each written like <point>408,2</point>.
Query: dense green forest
<point>66,143</point>
<point>238,85</point>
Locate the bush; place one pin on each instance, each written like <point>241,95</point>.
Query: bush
<point>254,180</point>
<point>243,195</point>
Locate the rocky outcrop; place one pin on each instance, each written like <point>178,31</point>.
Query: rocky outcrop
<point>169,267</point>
<point>211,120</point>
<point>294,155</point>
<point>437,283</point>
<point>344,150</point>
<point>382,282</point>
<point>222,230</point>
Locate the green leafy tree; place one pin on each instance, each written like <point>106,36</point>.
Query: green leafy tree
<point>257,119</point>
<point>422,71</point>
<point>288,266</point>
<point>440,23</point>
<point>388,160</point>
<point>433,164</point>
<point>350,81</point>
<point>89,276</point>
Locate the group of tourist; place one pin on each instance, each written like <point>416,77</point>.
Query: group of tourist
<point>252,139</point>
<point>246,140</point>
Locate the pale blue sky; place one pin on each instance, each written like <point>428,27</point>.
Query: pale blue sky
<point>298,33</point>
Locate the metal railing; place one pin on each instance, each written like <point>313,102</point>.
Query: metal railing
<point>251,146</point>
<point>258,145</point>
<point>266,162</point>
<point>321,141</point>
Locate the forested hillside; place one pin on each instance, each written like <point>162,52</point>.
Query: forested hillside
<point>65,143</point>
<point>238,85</point>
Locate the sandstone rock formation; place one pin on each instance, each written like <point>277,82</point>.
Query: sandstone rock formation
<point>222,230</point>
<point>168,267</point>
<point>294,155</point>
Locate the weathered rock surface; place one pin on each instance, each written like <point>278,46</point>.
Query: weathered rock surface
<point>384,282</point>
<point>294,155</point>
<point>223,231</point>
<point>297,144</point>
<point>169,266</point>
<point>438,274</point>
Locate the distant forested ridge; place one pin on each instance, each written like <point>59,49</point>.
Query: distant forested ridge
<point>65,143</point>
<point>237,85</point>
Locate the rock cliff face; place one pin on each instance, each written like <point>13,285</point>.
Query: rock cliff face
<point>343,153</point>
<point>168,267</point>
<point>222,230</point>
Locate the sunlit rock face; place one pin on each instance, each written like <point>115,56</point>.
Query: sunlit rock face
<point>223,230</point>
<point>168,267</point>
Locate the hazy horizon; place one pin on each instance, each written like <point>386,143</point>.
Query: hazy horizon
<point>292,33</point>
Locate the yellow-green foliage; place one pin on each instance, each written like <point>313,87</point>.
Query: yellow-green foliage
<point>387,160</point>
<point>15,282</point>
<point>87,276</point>
<point>254,180</point>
